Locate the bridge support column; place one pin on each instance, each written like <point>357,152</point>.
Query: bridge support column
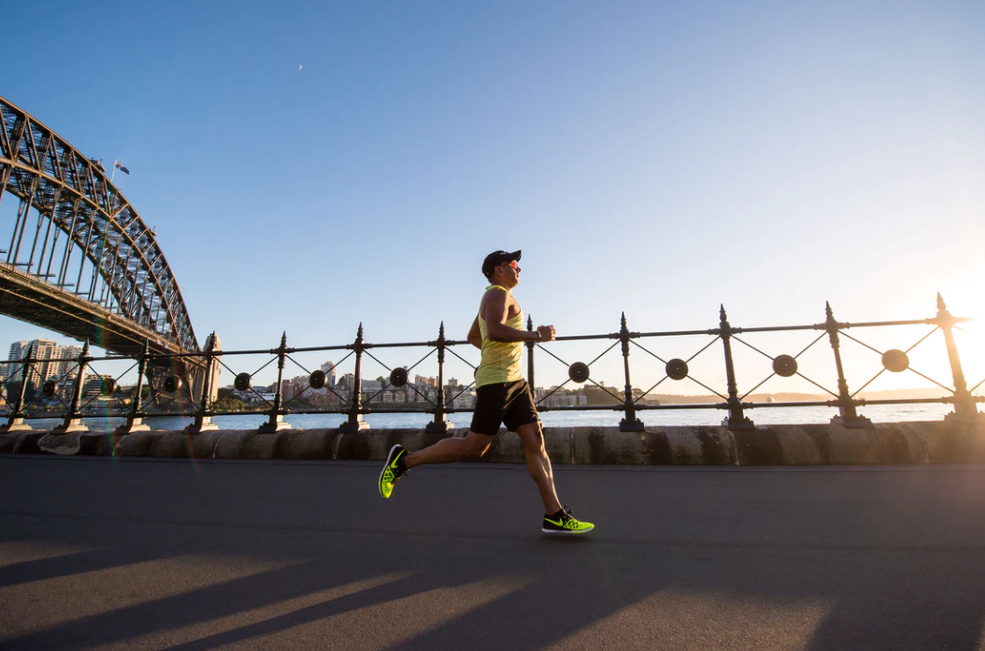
<point>210,388</point>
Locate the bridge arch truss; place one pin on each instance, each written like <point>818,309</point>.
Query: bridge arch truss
<point>75,232</point>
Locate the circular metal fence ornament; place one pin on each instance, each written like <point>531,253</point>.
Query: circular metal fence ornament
<point>242,382</point>
<point>49,388</point>
<point>317,379</point>
<point>677,369</point>
<point>895,361</point>
<point>578,372</point>
<point>107,386</point>
<point>784,366</point>
<point>398,377</point>
<point>172,383</point>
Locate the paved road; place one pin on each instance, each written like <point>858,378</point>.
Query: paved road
<point>148,554</point>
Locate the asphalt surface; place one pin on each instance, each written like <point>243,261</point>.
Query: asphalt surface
<point>154,554</point>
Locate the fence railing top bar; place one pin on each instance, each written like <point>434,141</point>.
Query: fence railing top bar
<point>107,358</point>
<point>848,324</point>
<point>934,321</point>
<point>308,349</point>
<point>675,333</point>
<point>220,353</point>
<point>406,344</point>
<point>816,326</point>
<point>869,324</point>
<point>614,335</point>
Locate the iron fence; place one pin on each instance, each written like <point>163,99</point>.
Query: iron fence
<point>172,395</point>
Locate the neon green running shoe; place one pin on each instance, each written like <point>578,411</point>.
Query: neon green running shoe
<point>393,470</point>
<point>562,523</point>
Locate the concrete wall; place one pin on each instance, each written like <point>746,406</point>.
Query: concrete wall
<point>901,443</point>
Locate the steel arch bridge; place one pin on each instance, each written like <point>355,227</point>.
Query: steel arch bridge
<point>80,260</point>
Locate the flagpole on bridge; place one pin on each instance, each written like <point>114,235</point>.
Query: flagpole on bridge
<point>117,166</point>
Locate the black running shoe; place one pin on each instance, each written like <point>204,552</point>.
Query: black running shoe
<point>562,523</point>
<point>393,470</point>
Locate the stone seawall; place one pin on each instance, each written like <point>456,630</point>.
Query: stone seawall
<point>899,443</point>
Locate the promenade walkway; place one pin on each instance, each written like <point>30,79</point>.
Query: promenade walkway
<point>162,554</point>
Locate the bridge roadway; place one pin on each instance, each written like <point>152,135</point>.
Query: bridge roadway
<point>155,554</point>
<point>28,299</point>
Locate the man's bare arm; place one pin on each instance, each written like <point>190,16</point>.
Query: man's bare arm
<point>496,311</point>
<point>475,336</point>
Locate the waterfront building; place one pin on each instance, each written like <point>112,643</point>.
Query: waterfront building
<point>94,386</point>
<point>69,354</point>
<point>41,370</point>
<point>329,369</point>
<point>421,381</point>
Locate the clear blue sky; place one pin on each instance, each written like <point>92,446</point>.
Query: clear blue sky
<point>657,158</point>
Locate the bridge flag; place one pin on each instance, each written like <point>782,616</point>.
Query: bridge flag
<point>121,168</point>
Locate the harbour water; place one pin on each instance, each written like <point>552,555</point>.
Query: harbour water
<point>683,417</point>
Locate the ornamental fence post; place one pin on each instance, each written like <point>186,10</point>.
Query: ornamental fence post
<point>275,420</point>
<point>73,419</point>
<point>355,423</point>
<point>848,416</point>
<point>964,405</point>
<point>135,419</point>
<point>439,425</point>
<point>630,423</point>
<point>15,421</point>
<point>736,419</point>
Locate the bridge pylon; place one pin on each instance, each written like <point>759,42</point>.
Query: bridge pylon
<point>186,385</point>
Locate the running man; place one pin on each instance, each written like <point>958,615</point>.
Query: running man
<point>502,396</point>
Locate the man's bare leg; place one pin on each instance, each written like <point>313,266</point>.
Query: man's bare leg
<point>539,465</point>
<point>451,449</point>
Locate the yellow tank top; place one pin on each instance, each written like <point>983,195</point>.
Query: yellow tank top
<point>500,359</point>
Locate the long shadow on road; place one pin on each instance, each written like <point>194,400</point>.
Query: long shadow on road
<point>304,555</point>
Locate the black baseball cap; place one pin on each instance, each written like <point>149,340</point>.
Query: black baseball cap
<point>497,258</point>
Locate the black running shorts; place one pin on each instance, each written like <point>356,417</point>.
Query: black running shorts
<point>511,403</point>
